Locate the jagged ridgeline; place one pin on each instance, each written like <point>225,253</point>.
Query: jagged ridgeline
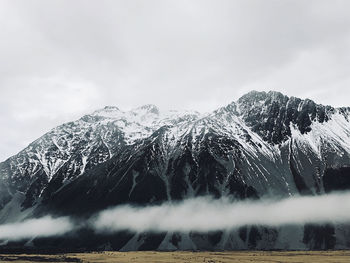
<point>263,144</point>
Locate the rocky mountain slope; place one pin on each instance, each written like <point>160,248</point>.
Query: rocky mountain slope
<point>263,144</point>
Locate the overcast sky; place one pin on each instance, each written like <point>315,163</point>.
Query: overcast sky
<point>61,59</point>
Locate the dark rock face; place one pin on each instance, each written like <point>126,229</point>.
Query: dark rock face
<point>148,177</point>
<point>271,114</point>
<point>320,237</point>
<point>336,179</point>
<point>263,144</point>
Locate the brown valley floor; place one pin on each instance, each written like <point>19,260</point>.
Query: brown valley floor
<point>188,257</point>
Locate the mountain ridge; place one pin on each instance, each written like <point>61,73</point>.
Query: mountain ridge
<point>263,144</point>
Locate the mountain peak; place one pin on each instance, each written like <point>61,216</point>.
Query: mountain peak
<point>106,112</point>
<point>149,108</point>
<point>258,96</point>
<point>111,108</point>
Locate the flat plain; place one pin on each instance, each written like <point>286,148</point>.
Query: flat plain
<point>188,257</point>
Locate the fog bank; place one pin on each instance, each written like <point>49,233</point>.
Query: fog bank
<point>40,227</point>
<point>207,214</point>
<point>201,214</point>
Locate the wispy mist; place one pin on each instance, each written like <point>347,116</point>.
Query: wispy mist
<point>202,214</point>
<point>40,227</point>
<point>207,214</point>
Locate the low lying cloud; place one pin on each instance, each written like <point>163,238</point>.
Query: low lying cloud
<point>207,214</point>
<point>40,227</point>
<point>200,214</point>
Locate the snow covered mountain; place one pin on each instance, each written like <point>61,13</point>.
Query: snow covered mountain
<point>263,144</point>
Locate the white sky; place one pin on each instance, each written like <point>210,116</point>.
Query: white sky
<point>60,59</point>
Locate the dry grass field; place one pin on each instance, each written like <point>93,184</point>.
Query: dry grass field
<point>188,257</point>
